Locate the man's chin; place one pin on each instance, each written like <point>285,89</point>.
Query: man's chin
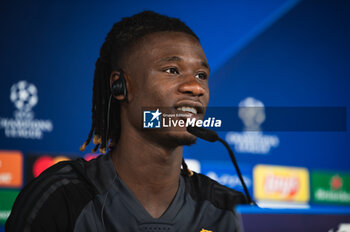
<point>186,140</point>
<point>179,138</point>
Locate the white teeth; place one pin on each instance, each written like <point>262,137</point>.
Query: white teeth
<point>187,109</point>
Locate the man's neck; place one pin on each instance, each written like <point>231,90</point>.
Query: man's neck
<point>150,171</point>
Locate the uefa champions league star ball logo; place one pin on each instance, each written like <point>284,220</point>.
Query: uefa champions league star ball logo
<point>24,95</point>
<point>252,139</point>
<point>252,113</point>
<point>24,125</point>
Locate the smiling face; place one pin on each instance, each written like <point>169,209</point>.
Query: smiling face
<point>166,69</point>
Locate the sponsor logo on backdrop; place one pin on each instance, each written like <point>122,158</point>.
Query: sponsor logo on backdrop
<point>24,96</point>
<point>252,140</point>
<point>90,156</point>
<point>157,119</point>
<point>328,187</point>
<point>11,166</point>
<point>44,162</point>
<point>230,180</point>
<point>281,183</point>
<point>36,164</point>
<point>342,227</point>
<point>225,174</point>
<point>7,199</point>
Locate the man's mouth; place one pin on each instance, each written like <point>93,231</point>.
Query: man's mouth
<point>187,109</point>
<point>190,107</point>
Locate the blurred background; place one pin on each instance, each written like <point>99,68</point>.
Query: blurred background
<point>272,53</point>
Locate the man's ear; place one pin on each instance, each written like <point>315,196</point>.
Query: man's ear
<point>118,85</point>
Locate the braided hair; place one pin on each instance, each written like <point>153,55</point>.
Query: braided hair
<point>122,36</point>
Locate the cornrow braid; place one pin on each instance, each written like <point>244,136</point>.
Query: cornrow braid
<point>122,36</point>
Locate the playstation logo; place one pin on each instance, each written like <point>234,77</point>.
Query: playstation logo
<point>151,119</point>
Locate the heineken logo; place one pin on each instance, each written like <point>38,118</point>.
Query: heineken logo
<point>328,187</point>
<point>336,182</point>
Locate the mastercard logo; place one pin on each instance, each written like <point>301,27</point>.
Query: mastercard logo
<point>91,156</point>
<point>44,162</point>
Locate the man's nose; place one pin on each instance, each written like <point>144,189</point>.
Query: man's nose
<point>192,86</point>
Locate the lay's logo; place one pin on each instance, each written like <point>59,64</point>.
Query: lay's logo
<point>281,183</point>
<point>284,185</point>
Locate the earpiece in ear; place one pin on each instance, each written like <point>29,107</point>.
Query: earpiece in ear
<point>119,87</point>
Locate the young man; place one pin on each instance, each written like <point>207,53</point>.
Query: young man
<point>147,60</point>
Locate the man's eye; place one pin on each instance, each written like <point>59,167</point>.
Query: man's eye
<point>171,70</point>
<point>202,76</point>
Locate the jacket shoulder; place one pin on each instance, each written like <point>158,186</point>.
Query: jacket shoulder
<point>202,188</point>
<point>52,201</point>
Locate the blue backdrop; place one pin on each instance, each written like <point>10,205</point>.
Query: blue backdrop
<point>266,53</point>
